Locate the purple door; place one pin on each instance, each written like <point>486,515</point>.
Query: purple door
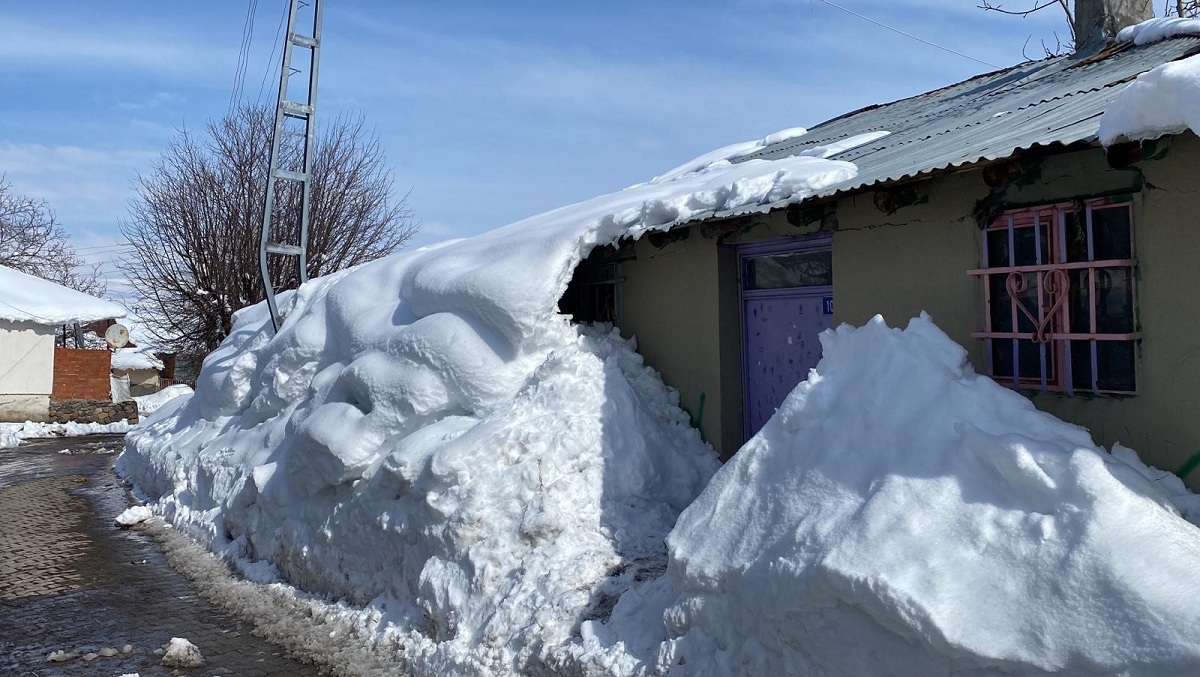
<point>787,301</point>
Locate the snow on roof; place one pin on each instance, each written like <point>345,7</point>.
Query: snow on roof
<point>1055,101</point>
<point>729,153</point>
<point>135,358</point>
<point>1165,100</point>
<point>1157,30</point>
<point>27,298</point>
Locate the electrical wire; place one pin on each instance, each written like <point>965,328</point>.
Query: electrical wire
<point>271,56</point>
<point>104,247</point>
<point>907,35</point>
<point>239,76</point>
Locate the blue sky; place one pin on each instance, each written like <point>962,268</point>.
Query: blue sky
<point>488,111</point>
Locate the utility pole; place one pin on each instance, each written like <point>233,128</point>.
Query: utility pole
<point>299,115</point>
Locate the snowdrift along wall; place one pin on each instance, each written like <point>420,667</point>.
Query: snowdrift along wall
<point>426,432</point>
<point>428,437</point>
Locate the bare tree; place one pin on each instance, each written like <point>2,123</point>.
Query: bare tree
<point>195,222</point>
<point>1037,6</point>
<point>1181,8</point>
<point>32,241</point>
<point>1188,9</point>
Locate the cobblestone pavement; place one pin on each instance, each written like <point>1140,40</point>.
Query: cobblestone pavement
<point>71,581</point>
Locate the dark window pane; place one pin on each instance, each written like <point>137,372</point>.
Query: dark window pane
<point>1027,299</point>
<point>1115,363</point>
<point>1024,246</point>
<point>1081,365</point>
<point>1114,300</point>
<point>591,295</point>
<point>1029,357</point>
<point>803,269</point>
<point>1110,233</point>
<point>1076,234</point>
<point>1001,305</point>
<point>997,242</point>
<point>1027,250</point>
<point>1002,359</point>
<point>1078,305</point>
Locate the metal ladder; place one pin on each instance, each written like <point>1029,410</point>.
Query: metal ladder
<point>304,112</point>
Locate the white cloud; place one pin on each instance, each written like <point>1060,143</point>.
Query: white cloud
<point>84,186</point>
<point>110,47</point>
<point>154,101</point>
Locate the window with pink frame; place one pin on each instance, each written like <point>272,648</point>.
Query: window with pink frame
<point>1060,290</point>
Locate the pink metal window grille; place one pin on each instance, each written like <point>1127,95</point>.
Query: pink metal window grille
<point>1059,287</point>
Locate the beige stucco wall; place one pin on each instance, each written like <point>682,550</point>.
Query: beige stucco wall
<point>26,370</point>
<point>917,259</point>
<point>936,244</point>
<point>901,264</point>
<point>671,302</point>
<point>681,300</point>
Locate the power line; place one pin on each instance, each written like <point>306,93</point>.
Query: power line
<point>239,76</point>
<point>908,35</point>
<point>104,247</point>
<point>271,57</point>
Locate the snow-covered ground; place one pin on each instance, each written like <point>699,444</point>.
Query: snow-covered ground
<point>11,434</point>
<point>502,492</point>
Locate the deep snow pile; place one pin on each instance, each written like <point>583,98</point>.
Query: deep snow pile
<point>11,434</point>
<point>1163,100</point>
<point>427,433</point>
<point>902,515</point>
<point>148,404</point>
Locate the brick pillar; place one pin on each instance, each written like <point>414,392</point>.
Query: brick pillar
<point>81,374</point>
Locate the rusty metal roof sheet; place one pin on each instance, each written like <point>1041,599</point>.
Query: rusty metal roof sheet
<point>1054,101</point>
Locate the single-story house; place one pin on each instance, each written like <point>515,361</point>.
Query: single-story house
<point>1067,269</point>
<point>148,369</point>
<point>141,366</point>
<point>35,372</point>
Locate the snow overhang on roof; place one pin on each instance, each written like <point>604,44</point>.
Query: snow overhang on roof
<point>27,298</point>
<point>135,358</point>
<point>1053,102</point>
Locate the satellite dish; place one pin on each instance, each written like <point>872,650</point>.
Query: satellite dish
<point>116,336</point>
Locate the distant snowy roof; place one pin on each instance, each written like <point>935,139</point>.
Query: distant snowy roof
<point>1056,101</point>
<point>135,358</point>
<point>26,298</point>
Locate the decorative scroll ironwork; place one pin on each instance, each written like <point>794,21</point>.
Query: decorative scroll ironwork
<point>1053,286</point>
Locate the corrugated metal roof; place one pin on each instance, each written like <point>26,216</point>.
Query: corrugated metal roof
<point>1056,100</point>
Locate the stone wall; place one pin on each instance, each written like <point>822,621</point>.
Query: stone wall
<point>81,374</point>
<point>92,411</point>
